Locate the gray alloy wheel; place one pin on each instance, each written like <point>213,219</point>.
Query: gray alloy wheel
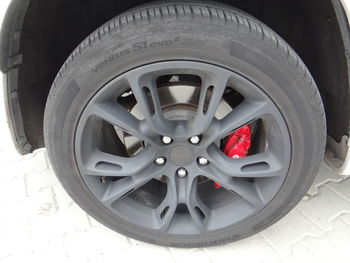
<point>163,181</point>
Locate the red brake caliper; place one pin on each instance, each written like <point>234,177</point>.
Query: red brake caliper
<point>237,145</point>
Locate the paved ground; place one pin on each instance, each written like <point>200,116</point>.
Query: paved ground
<point>39,223</point>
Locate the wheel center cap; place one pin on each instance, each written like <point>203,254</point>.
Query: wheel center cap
<point>181,155</point>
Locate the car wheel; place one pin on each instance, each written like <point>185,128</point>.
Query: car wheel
<point>185,125</point>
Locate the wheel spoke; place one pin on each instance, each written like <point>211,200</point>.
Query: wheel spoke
<point>125,186</point>
<point>198,210</point>
<point>183,192</point>
<point>245,113</point>
<point>145,91</point>
<point>166,210</point>
<point>244,189</point>
<point>104,164</point>
<point>117,115</point>
<point>210,97</point>
<point>259,165</point>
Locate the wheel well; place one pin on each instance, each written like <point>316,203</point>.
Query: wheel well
<point>317,30</point>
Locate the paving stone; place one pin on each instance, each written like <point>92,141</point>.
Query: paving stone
<point>342,189</point>
<point>289,230</point>
<point>12,191</point>
<point>39,160</point>
<point>49,227</point>
<point>189,255</point>
<point>324,176</point>
<point>322,209</point>
<point>62,199</point>
<point>254,249</point>
<point>16,240</point>
<point>346,217</point>
<point>93,222</point>
<point>333,246</point>
<point>301,253</point>
<point>35,181</point>
<point>97,245</point>
<point>17,211</point>
<point>8,152</point>
<point>13,169</point>
<point>19,258</point>
<point>53,253</point>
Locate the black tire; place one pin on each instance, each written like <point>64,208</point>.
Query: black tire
<point>206,33</point>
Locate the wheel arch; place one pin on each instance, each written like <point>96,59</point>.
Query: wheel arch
<point>37,37</point>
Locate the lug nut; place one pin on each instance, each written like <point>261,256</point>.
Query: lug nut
<point>203,161</point>
<point>160,160</point>
<point>166,140</point>
<point>195,140</point>
<point>181,172</point>
<point>103,179</point>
